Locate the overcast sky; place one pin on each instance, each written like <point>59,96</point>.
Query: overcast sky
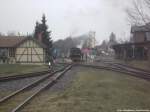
<point>66,17</point>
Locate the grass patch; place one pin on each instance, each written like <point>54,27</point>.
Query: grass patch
<point>9,69</point>
<point>96,91</point>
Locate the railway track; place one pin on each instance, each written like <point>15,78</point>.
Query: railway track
<point>18,99</point>
<point>124,66</point>
<point>27,75</point>
<point>130,67</point>
<point>118,67</point>
<point>115,68</point>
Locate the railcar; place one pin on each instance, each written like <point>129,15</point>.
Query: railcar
<point>75,54</point>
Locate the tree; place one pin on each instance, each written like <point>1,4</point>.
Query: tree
<point>37,30</point>
<point>41,29</point>
<point>104,45</point>
<point>138,14</point>
<point>65,45</point>
<point>112,39</point>
<point>46,35</point>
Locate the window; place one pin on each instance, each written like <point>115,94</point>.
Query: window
<point>12,52</point>
<point>147,36</point>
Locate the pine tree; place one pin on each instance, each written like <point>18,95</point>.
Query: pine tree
<point>112,39</point>
<point>42,28</point>
<point>46,35</point>
<point>37,30</point>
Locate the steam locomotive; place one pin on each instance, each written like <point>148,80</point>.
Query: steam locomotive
<point>75,54</point>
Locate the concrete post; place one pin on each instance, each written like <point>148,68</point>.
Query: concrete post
<point>148,54</point>
<point>133,51</point>
<point>124,54</point>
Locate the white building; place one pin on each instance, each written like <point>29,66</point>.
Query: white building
<point>23,50</point>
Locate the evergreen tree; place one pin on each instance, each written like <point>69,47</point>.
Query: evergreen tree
<point>37,30</point>
<point>112,39</point>
<point>42,28</point>
<point>46,35</point>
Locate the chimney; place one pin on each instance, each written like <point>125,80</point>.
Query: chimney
<point>40,36</point>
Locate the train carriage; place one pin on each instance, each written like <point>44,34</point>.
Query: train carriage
<point>75,54</point>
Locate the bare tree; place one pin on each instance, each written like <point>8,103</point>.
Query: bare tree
<point>138,13</point>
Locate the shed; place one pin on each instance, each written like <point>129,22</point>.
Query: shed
<point>21,49</point>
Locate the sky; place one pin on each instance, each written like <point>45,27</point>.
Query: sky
<point>67,17</point>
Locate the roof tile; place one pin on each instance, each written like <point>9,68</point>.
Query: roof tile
<point>10,41</point>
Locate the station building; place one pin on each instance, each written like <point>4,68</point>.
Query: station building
<point>22,50</point>
<point>139,46</point>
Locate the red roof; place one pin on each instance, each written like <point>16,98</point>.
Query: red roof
<point>13,41</point>
<point>10,41</point>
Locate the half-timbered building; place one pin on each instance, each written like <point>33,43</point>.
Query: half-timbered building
<point>23,50</point>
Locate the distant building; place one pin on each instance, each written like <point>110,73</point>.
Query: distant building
<point>23,50</point>
<point>140,33</point>
<point>139,47</point>
<point>92,39</point>
<point>90,42</point>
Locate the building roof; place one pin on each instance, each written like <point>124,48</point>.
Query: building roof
<point>14,41</point>
<point>143,28</point>
<point>131,44</point>
<point>10,41</point>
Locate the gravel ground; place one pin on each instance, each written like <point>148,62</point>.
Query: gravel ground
<point>66,80</point>
<point>97,63</point>
<point>10,86</point>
